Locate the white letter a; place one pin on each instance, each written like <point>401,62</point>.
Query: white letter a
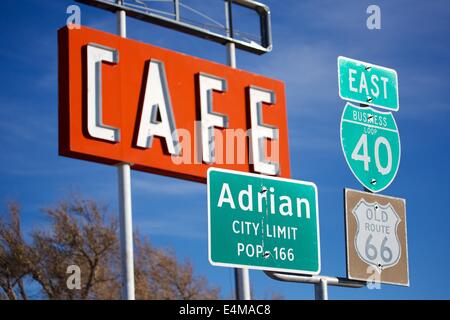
<point>228,199</point>
<point>157,101</point>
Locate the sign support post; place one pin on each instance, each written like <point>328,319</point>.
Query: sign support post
<point>125,221</point>
<point>241,276</point>
<point>321,289</point>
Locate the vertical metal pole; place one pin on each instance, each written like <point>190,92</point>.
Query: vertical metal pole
<point>321,290</point>
<point>176,4</point>
<point>125,221</point>
<point>241,276</point>
<point>121,21</point>
<point>242,284</point>
<point>126,231</point>
<point>231,55</point>
<point>229,17</point>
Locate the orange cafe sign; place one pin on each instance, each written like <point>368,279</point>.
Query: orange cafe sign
<point>164,112</point>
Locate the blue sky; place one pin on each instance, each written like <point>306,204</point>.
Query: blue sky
<point>308,36</point>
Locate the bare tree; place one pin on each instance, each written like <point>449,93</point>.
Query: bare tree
<point>14,255</point>
<point>160,276</point>
<point>81,234</point>
<point>84,234</point>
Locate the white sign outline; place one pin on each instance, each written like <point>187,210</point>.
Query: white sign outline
<point>232,265</point>
<point>367,65</point>
<point>399,143</point>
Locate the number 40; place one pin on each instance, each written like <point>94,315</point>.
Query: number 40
<point>362,144</point>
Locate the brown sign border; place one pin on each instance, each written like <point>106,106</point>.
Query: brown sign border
<point>350,241</point>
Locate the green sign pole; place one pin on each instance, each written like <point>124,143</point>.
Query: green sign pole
<point>262,222</point>
<point>371,144</point>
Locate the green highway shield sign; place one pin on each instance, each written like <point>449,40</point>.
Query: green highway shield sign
<point>371,145</point>
<point>367,83</point>
<point>262,222</point>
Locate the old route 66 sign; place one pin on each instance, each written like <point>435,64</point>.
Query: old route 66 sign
<point>376,239</point>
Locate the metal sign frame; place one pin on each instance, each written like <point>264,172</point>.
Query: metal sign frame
<point>177,24</point>
<point>320,282</point>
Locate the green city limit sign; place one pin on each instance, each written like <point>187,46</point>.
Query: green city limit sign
<point>262,222</point>
<point>371,145</point>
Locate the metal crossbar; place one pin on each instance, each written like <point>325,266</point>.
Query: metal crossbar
<point>199,23</point>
